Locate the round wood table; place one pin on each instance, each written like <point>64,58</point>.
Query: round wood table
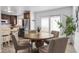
<point>38,38</point>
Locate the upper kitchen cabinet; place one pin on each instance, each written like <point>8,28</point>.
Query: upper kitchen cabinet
<point>12,19</point>
<point>5,17</point>
<point>27,19</point>
<point>27,15</point>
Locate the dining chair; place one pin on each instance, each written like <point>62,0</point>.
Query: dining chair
<point>32,31</point>
<point>56,45</point>
<point>19,39</point>
<point>20,45</point>
<point>55,33</point>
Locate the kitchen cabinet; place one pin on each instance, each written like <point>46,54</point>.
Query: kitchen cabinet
<point>12,19</point>
<point>26,20</point>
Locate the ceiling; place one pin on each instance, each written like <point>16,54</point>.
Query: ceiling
<point>18,10</point>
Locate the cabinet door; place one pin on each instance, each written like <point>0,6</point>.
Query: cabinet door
<point>27,15</point>
<point>3,16</point>
<point>27,18</point>
<point>6,17</point>
<point>13,20</point>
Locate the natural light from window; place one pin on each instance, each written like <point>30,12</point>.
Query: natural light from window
<point>49,24</point>
<point>45,24</point>
<point>53,21</point>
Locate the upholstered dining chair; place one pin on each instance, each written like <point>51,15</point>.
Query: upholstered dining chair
<point>55,33</point>
<point>32,31</point>
<point>19,39</point>
<point>56,45</point>
<point>20,45</point>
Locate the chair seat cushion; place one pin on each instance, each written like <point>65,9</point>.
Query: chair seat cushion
<point>43,49</point>
<point>23,45</point>
<point>23,40</point>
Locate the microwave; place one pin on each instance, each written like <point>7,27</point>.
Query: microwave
<point>4,21</point>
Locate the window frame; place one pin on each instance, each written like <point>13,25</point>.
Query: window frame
<point>50,20</point>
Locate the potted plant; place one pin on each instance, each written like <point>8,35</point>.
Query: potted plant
<point>70,27</point>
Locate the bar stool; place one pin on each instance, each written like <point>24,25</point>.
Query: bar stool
<point>4,38</point>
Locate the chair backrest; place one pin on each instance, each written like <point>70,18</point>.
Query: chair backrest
<point>16,35</point>
<point>32,31</point>
<point>57,45</point>
<point>14,41</point>
<point>6,31</point>
<point>56,33</point>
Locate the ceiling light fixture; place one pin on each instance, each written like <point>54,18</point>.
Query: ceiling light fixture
<point>9,9</point>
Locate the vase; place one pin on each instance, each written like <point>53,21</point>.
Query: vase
<point>38,29</point>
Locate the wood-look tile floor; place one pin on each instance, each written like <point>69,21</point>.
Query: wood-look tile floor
<point>70,48</point>
<point>10,49</point>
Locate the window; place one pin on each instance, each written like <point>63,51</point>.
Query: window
<point>50,23</point>
<point>53,23</point>
<point>45,24</point>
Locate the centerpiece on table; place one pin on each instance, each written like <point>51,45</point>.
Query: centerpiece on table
<point>38,29</point>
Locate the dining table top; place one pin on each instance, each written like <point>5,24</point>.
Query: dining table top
<point>38,36</point>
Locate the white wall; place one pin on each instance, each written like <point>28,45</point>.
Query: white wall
<point>0,41</point>
<point>76,37</point>
<point>76,42</point>
<point>0,32</point>
<point>60,12</point>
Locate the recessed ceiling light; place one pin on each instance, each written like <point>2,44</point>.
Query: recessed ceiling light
<point>8,9</point>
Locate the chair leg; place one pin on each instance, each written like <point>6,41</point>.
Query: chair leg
<point>29,50</point>
<point>15,51</point>
<point>3,44</point>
